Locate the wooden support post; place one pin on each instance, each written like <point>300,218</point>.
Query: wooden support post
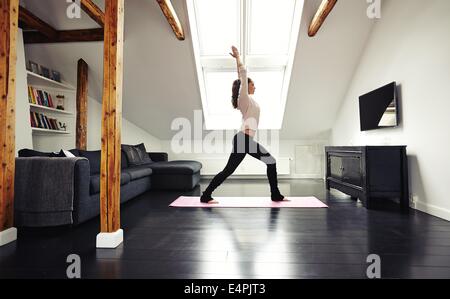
<point>322,13</point>
<point>9,14</point>
<point>111,126</point>
<point>82,105</point>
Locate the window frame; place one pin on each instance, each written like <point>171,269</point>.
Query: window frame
<point>220,63</point>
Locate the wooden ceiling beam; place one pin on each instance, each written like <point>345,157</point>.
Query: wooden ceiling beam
<point>172,18</point>
<point>322,13</point>
<point>30,20</point>
<point>65,36</point>
<point>93,11</point>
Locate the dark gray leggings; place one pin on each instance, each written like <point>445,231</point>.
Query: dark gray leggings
<point>244,144</point>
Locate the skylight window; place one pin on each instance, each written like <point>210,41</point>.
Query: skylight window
<point>265,32</point>
<point>218,25</point>
<point>270,26</point>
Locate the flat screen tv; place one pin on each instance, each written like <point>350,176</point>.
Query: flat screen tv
<point>379,108</point>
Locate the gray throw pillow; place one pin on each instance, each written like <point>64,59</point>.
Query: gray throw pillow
<point>136,154</point>
<point>142,152</point>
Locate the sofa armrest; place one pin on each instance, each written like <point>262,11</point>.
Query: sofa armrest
<point>159,157</point>
<point>45,205</point>
<point>82,179</point>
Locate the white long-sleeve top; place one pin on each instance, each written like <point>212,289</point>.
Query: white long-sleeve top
<point>249,108</point>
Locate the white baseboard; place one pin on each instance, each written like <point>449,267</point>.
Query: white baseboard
<point>110,240</point>
<point>432,210</point>
<point>264,177</point>
<point>8,236</point>
<point>248,167</point>
<point>305,176</point>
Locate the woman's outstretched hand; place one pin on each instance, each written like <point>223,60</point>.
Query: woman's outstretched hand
<point>235,52</point>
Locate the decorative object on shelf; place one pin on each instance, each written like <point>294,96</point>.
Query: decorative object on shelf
<point>56,76</point>
<point>62,126</point>
<point>45,72</point>
<point>34,67</point>
<point>60,102</point>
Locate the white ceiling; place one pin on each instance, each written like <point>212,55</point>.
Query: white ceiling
<point>160,81</point>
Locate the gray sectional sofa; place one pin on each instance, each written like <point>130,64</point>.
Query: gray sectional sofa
<point>35,186</point>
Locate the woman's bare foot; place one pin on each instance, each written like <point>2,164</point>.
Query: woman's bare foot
<point>208,199</point>
<point>279,198</point>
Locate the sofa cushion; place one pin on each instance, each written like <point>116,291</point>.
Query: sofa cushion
<point>138,172</point>
<point>136,154</point>
<point>95,160</point>
<point>95,182</point>
<point>159,157</point>
<point>142,151</point>
<point>176,167</point>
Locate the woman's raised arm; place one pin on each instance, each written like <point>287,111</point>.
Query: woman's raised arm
<point>242,71</point>
<point>237,56</point>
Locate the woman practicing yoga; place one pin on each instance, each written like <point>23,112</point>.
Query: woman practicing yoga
<point>243,142</point>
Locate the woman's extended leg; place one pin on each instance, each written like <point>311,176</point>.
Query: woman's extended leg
<point>233,162</point>
<point>259,152</point>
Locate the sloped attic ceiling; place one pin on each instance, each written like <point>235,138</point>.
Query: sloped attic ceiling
<point>160,81</point>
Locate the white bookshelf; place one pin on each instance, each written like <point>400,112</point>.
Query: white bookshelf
<point>35,79</point>
<point>44,108</point>
<point>48,139</point>
<point>39,131</point>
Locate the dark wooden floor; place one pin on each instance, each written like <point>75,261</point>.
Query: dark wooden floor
<point>163,242</point>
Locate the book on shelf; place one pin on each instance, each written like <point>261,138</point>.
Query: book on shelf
<point>40,97</point>
<point>49,125</point>
<point>31,99</point>
<point>44,123</point>
<point>41,121</point>
<point>36,121</point>
<point>32,120</point>
<point>50,100</point>
<point>52,124</point>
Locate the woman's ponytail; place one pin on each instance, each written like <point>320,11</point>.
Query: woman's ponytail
<point>235,95</point>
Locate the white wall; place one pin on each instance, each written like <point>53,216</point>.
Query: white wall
<point>160,81</point>
<point>295,158</point>
<point>23,126</point>
<point>131,134</point>
<point>410,44</point>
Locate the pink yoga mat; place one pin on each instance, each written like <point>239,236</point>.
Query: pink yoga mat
<point>248,202</point>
